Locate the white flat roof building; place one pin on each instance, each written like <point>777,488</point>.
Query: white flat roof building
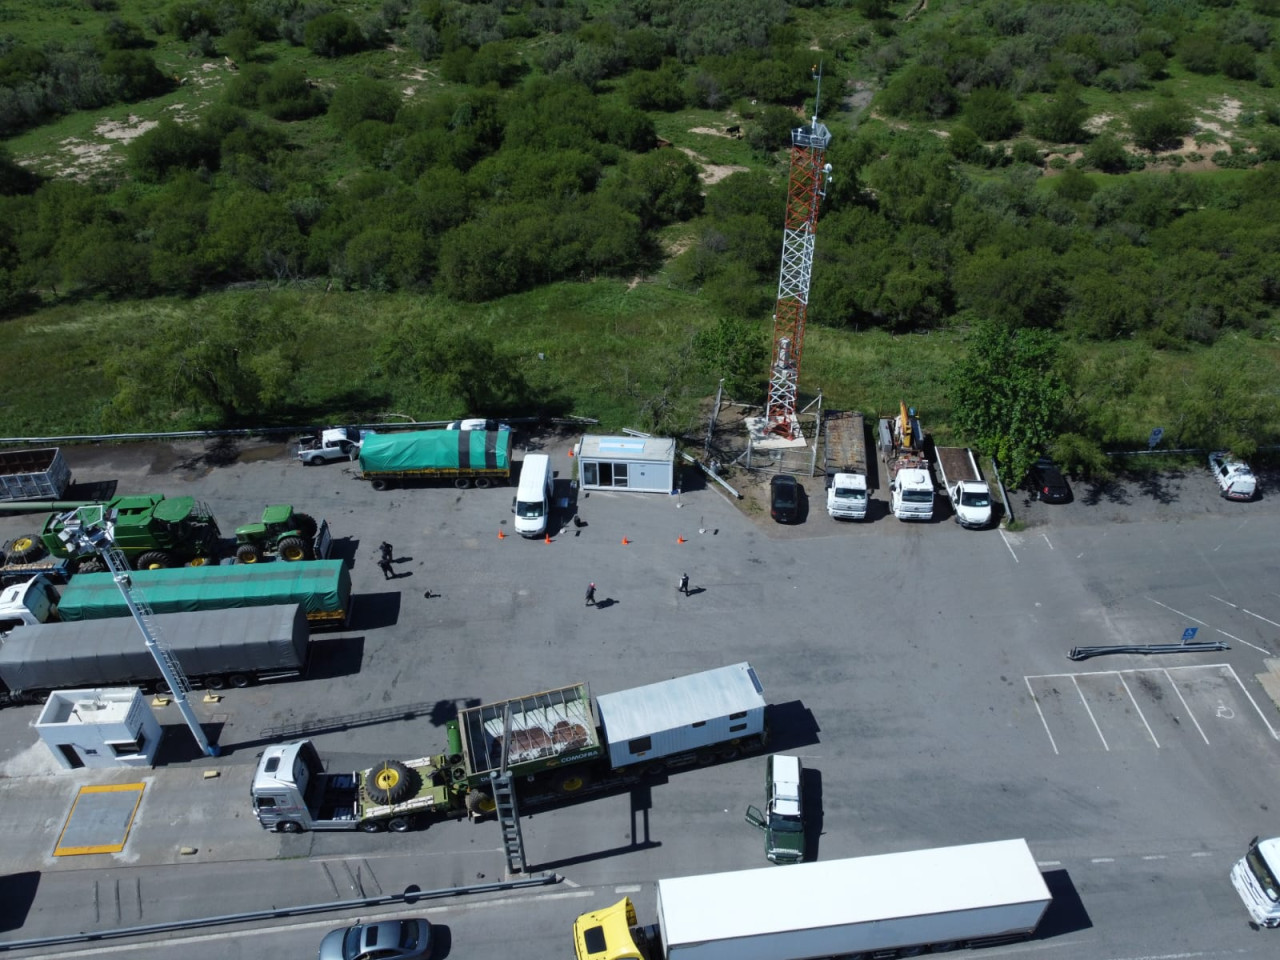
<point>646,464</point>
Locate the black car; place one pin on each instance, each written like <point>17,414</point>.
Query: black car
<point>1047,483</point>
<point>784,498</point>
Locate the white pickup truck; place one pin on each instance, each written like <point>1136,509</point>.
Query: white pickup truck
<point>969,494</point>
<point>333,443</point>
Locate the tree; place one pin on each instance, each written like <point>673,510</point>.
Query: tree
<point>735,349</point>
<point>133,75</point>
<point>362,98</point>
<point>1007,394</point>
<point>332,35</point>
<point>450,369</point>
<point>171,146</point>
<point>1160,126</point>
<point>1226,404</point>
<point>215,366</point>
<point>1105,152</point>
<point>919,92</point>
<point>1059,119</point>
<point>991,114</point>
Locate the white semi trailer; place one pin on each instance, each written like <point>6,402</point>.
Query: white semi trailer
<point>973,895</point>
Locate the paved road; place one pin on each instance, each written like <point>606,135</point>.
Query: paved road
<point>919,670</point>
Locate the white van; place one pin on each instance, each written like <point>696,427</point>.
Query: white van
<point>532,505</point>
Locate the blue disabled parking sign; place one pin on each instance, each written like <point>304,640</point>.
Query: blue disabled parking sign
<point>1189,634</point>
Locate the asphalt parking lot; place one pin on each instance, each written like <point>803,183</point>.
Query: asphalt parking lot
<point>919,670</point>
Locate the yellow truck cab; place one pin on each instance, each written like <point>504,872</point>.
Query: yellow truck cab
<point>606,934</point>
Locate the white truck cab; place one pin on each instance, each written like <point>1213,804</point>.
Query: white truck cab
<point>1234,477</point>
<point>1256,877</point>
<point>847,496</point>
<point>35,601</point>
<point>911,494</point>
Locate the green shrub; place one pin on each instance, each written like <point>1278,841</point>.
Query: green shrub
<point>919,92</point>
<point>171,146</point>
<point>991,114</point>
<point>1024,151</point>
<point>333,35</point>
<point>1106,153</point>
<point>1160,126</point>
<point>363,98</point>
<point>286,95</point>
<point>133,75</point>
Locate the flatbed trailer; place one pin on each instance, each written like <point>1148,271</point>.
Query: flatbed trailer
<point>845,464</point>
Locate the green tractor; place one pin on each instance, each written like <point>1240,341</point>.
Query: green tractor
<point>152,531</point>
<point>282,531</point>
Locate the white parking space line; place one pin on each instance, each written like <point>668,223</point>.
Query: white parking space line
<point>1260,617</point>
<point>1227,602</point>
<point>1223,632</point>
<point>1085,703</point>
<point>1178,612</point>
<point>1190,712</point>
<point>1010,546</point>
<point>1142,715</point>
<point>1036,701</point>
<point>1046,540</point>
<point>1261,716</point>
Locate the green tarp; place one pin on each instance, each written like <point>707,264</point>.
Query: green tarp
<point>321,586</point>
<point>436,450</point>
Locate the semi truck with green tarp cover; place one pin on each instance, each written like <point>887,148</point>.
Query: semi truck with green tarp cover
<point>217,649</point>
<point>463,456</point>
<point>322,587</point>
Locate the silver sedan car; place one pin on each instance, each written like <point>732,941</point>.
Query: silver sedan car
<point>408,939</point>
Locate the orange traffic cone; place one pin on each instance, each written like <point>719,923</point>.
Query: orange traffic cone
<point>625,541</point>
<point>501,535</point>
<point>680,540</point>
<point>571,451</point>
<point>547,538</point>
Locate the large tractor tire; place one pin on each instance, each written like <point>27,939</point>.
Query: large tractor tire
<point>247,553</point>
<point>571,781</point>
<point>92,565</point>
<point>202,561</point>
<point>26,549</point>
<point>153,560</point>
<point>389,782</point>
<point>306,525</point>
<point>293,548</point>
<point>479,803</point>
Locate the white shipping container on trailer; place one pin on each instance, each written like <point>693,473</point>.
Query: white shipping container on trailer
<point>948,895</point>
<point>647,723</point>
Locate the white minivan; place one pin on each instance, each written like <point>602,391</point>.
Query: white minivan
<point>532,505</point>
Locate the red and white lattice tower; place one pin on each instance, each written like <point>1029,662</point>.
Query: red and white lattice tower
<point>809,175</point>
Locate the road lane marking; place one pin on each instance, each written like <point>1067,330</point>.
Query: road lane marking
<point>1260,617</point>
<point>1010,546</point>
<point>1103,860</point>
<point>628,888</point>
<point>1091,716</point>
<point>1036,701</point>
<point>1156,856</point>
<point>1046,540</point>
<point>1048,863</point>
<point>1202,854</point>
<point>1227,602</point>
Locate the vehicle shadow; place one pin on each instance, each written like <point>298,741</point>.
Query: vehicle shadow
<point>791,725</point>
<point>811,784</point>
<point>1067,913</point>
<point>17,893</point>
<point>641,838</point>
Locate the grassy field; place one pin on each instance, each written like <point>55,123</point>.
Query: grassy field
<point>609,350</point>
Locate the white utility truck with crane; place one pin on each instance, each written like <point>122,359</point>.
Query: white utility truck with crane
<point>969,494</point>
<point>845,439</point>
<point>901,441</point>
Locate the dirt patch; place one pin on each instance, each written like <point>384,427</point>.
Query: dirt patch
<point>712,172</point>
<point>123,130</point>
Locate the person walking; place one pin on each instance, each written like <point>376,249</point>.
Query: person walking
<point>386,551</point>
<point>591,595</point>
<point>385,566</point>
<point>684,584</point>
